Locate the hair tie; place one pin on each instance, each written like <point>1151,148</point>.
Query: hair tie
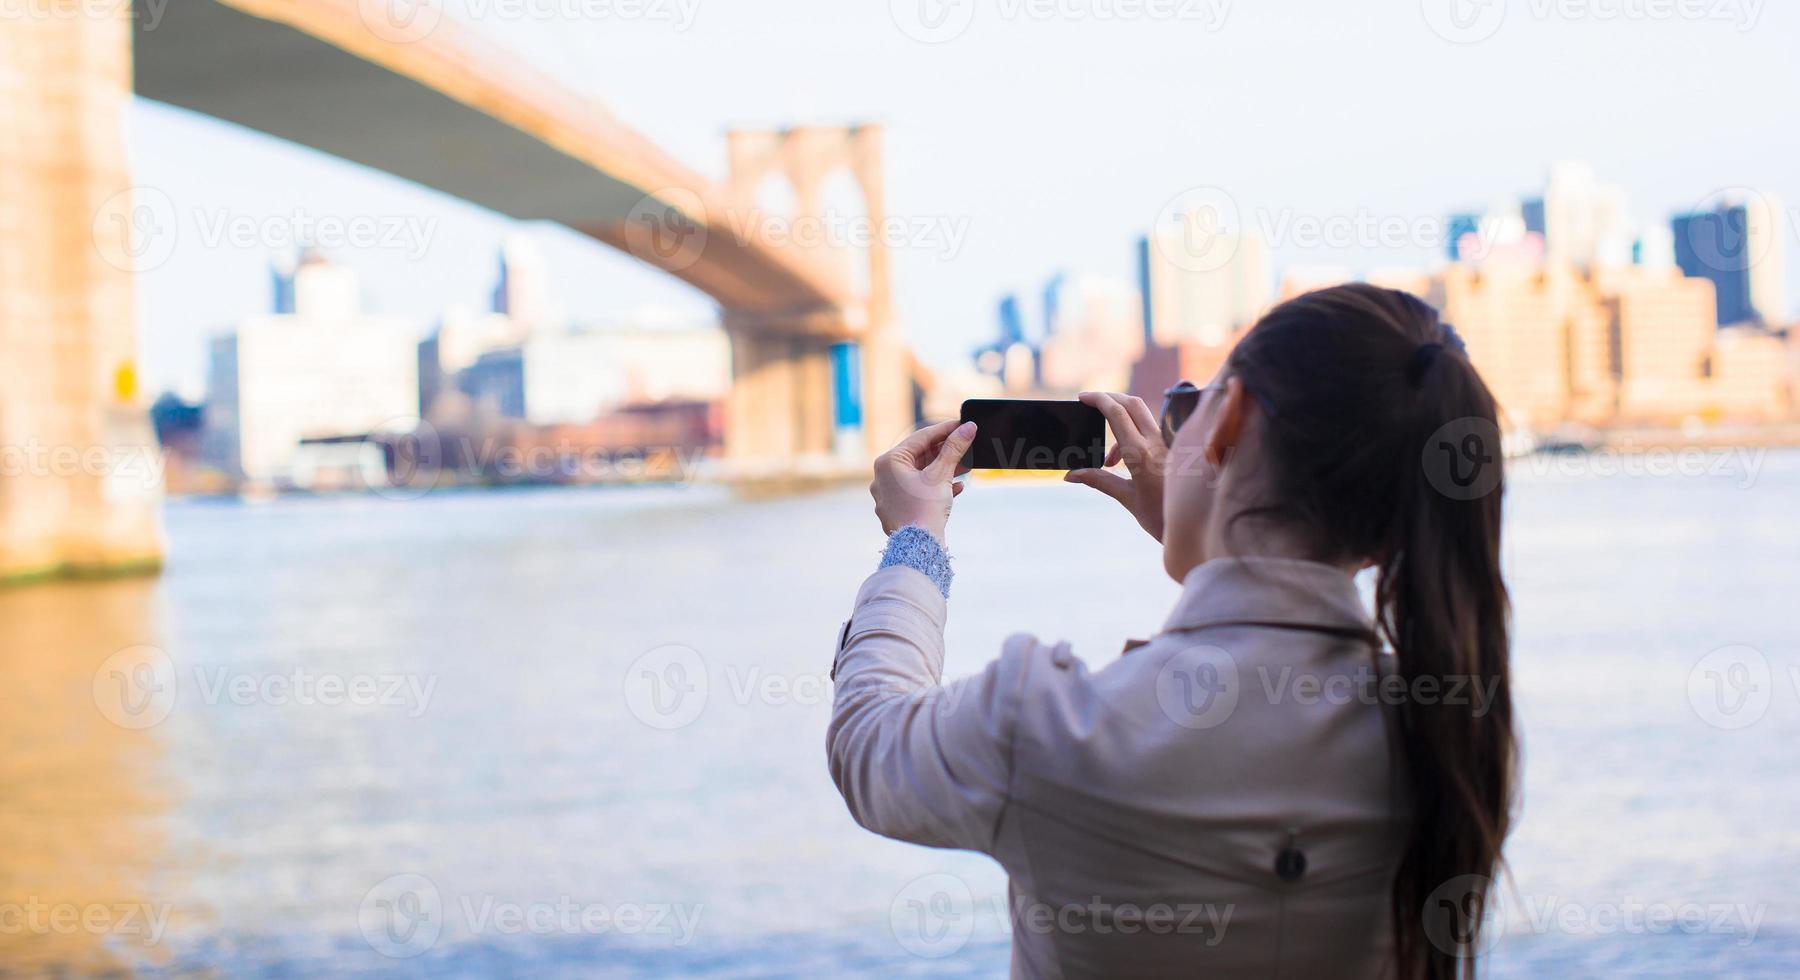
<point>1420,362</point>
<point>1426,355</point>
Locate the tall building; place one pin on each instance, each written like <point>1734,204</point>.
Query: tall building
<point>1462,225</point>
<point>1584,221</point>
<point>1012,321</point>
<point>1204,291</point>
<point>327,370</point>
<point>521,304</point>
<point>1532,210</point>
<point>1053,290</point>
<point>1655,248</point>
<point>1741,247</point>
<point>1145,311</point>
<point>1010,358</point>
<point>1615,233</point>
<point>1570,202</point>
<point>1094,334</point>
<point>522,290</point>
<point>281,281</point>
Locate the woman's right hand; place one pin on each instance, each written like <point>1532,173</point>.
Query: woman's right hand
<point>1137,441</point>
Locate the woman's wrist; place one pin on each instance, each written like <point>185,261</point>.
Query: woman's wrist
<point>915,547</point>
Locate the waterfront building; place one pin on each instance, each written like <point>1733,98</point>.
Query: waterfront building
<point>327,370</point>
<point>573,376</point>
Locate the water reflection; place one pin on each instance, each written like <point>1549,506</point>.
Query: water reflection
<point>81,795</point>
<point>500,799</point>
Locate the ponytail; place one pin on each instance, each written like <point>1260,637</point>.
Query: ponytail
<point>1442,605</point>
<point>1388,450</point>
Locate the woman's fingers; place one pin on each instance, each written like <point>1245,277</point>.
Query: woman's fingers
<point>1146,421</point>
<point>1118,417</point>
<point>1142,419</point>
<point>917,446</point>
<point>950,455</point>
<point>1109,483</point>
<point>1114,455</point>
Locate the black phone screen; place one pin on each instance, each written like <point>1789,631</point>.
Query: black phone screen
<point>1023,434</point>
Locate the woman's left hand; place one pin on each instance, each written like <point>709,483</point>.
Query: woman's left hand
<point>914,480</point>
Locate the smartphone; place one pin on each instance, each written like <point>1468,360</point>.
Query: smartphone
<point>1027,434</point>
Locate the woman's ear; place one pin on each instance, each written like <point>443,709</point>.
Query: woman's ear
<point>1227,423</point>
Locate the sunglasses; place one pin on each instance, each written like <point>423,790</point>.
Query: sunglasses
<point>1181,401</point>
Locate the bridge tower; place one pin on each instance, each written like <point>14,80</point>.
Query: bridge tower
<point>825,387</point>
<point>80,476</point>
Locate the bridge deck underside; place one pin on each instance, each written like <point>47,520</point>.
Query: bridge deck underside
<point>459,115</point>
<point>269,77</point>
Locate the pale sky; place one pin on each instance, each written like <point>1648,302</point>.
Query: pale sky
<point>1049,133</point>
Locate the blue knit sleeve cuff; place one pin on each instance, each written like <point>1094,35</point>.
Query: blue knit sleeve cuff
<point>914,547</point>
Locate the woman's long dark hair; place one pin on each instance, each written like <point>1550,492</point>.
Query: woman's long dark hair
<point>1360,381</point>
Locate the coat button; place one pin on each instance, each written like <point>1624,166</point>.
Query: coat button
<point>1290,864</point>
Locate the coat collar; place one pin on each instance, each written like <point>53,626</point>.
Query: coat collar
<point>1269,590</point>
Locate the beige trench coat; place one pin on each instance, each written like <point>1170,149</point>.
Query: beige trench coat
<point>1218,802</point>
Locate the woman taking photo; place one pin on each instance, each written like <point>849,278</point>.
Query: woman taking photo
<point>1280,783</point>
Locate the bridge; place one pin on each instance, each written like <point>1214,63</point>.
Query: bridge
<point>407,90</point>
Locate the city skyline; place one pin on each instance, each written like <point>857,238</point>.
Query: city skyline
<point>1038,198</point>
<point>1245,264</point>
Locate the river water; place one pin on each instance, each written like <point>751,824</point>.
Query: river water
<point>580,732</point>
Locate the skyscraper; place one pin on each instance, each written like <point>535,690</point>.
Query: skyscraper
<point>1532,208</point>
<point>1012,321</point>
<point>1204,286</point>
<point>1095,334</point>
<point>1584,222</point>
<point>1462,225</point>
<point>1740,246</point>
<point>522,291</point>
<point>1569,206</point>
<point>281,281</point>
